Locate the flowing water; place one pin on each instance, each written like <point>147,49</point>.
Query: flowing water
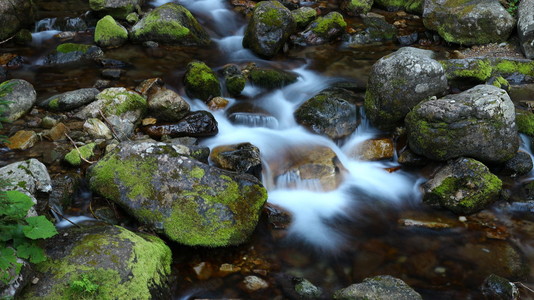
<point>333,238</point>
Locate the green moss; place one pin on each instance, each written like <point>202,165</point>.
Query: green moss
<point>119,102</point>
<point>509,67</point>
<point>235,84</point>
<point>303,16</point>
<point>201,82</point>
<point>152,23</point>
<point>483,69</point>
<point>71,47</point>
<point>500,82</point>
<point>197,172</point>
<point>323,25</point>
<point>54,103</point>
<point>74,157</point>
<point>269,78</point>
<point>107,30</point>
<point>525,122</point>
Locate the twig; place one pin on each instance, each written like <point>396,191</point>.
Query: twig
<point>61,215</point>
<point>79,153</point>
<point>7,40</point>
<point>524,286</point>
<point>110,126</point>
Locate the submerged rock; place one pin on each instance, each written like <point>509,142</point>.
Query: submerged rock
<point>520,164</point>
<point>21,96</point>
<point>190,202</point>
<point>525,27</point>
<point>201,82</point>
<point>23,140</point>
<point>170,23</point>
<point>109,33</point>
<point>378,288</point>
<point>69,53</point>
<point>102,262</point>
<point>116,8</point>
<point>464,186</point>
<point>468,22</point>
<point>478,123</point>
<point>323,30</point>
<point>71,100</point>
<point>374,149</point>
<point>268,29</point>
<point>199,123</point>
<point>398,82</point>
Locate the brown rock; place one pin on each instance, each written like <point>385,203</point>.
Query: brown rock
<point>22,140</point>
<point>57,132</point>
<point>217,103</point>
<point>374,149</point>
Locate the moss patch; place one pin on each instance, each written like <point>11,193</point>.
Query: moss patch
<point>72,47</point>
<point>269,78</point>
<point>323,25</point>
<point>524,121</point>
<point>201,82</point>
<point>109,33</point>
<point>74,157</point>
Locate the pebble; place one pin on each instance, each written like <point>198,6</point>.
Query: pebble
<point>254,283</point>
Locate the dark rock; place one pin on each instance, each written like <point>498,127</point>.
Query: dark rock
<point>378,287</point>
<point>271,78</point>
<point>201,82</point>
<point>323,30</point>
<point>73,53</point>
<point>112,73</point>
<point>234,79</point>
<point>410,159</point>
<point>195,124</point>
<point>498,288</point>
<point>14,15</point>
<point>520,164</point>
<point>71,100</point>
<point>242,158</point>
<point>409,39</point>
<point>525,27</point>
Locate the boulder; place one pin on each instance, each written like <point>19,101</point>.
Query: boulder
<point>201,82</point>
<point>69,53</point>
<point>14,14</point>
<point>234,79</point>
<point>271,78</point>
<point>378,288</point>
<point>170,23</point>
<point>356,7</point>
<point>322,30</point>
<point>398,82</point>
<point>102,262</point>
<point>199,123</point>
<point>468,22</point>
<point>190,202</point>
<point>478,123</point>
<point>302,16</point>
<point>21,96</point>
<point>166,105</point>
<point>483,69</point>
<point>373,149</point>
<point>242,158</point>
<point>332,113</point>
<point>71,100</point>
<point>412,6</point>
<point>27,176</point>
<point>525,27</point>
<point>109,33</point>
<point>116,8</point>
<point>520,164</point>
<point>377,30</point>
<point>269,28</point>
<point>464,186</point>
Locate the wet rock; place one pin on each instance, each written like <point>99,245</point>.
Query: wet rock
<point>398,82</point>
<point>243,158</point>
<point>524,119</point>
<point>196,124</point>
<point>234,79</point>
<point>77,155</point>
<point>70,53</point>
<point>170,23</point>
<point>306,289</point>
<point>22,140</point>
<point>97,129</point>
<point>217,103</point>
<point>412,6</point>
<point>13,16</point>
<point>254,283</point>
<point>271,78</point>
<point>71,100</point>
<point>64,190</point>
<point>468,22</point>
<point>482,69</point>
<point>268,29</point>
<point>23,37</point>
<point>464,186</point>
<point>409,39</point>
<point>374,149</point>
<point>520,164</point>
<point>22,97</point>
<point>378,287</point>
<point>303,16</point>
<point>113,74</point>
<point>498,288</point>
<point>323,30</point>
<point>149,86</point>
<point>201,82</point>
<point>57,132</point>
<point>109,33</point>
<point>166,105</point>
<point>330,113</point>
<point>190,202</point>
<point>477,123</point>
<point>410,159</point>
<point>116,8</point>
<point>48,122</point>
<point>377,30</point>
<point>118,263</point>
<point>356,7</point>
<point>27,176</point>
<point>525,27</point>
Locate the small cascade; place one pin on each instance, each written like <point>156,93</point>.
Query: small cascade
<point>526,145</point>
<point>44,30</point>
<point>45,25</point>
<point>254,120</point>
<point>293,180</point>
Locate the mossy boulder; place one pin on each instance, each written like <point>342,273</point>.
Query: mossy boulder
<point>69,53</point>
<point>398,82</point>
<point>356,7</point>
<point>115,262</point>
<point>478,123</point>
<point>201,82</point>
<point>21,96</point>
<point>75,156</point>
<point>170,23</point>
<point>322,30</point>
<point>525,28</point>
<point>116,8</point>
<point>332,113</point>
<point>71,100</point>
<point>464,186</point>
<point>378,288</point>
<point>234,79</point>
<point>412,6</point>
<point>302,16</point>
<point>14,15</point>
<point>269,28</point>
<point>271,78</point>
<point>190,202</point>
<point>468,22</point>
<point>480,70</point>
<point>109,33</point>
<point>377,30</point>
<point>524,120</point>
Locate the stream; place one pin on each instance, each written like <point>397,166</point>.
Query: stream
<point>373,223</point>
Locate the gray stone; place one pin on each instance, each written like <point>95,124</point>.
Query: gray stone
<point>14,14</point>
<point>21,96</point>
<point>116,8</point>
<point>71,100</point>
<point>167,105</point>
<point>383,287</point>
<point>525,27</point>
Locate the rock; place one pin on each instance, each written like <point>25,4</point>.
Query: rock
<point>323,30</point>
<point>201,82</point>
<point>302,16</point>
<point>377,30</point>
<point>12,288</point>
<point>254,283</point>
<point>234,79</point>
<point>115,262</point>
<point>166,105</point>
<point>14,15</point>
<point>116,8</point>
<point>109,33</point>
<point>27,176</point>
<point>22,140</point>
<point>330,113</point>
<point>22,97</point>
<point>70,53</point>
<point>520,164</point>
<point>57,132</point>
<point>525,27</point>
<point>71,100</point>
<point>524,120</point>
<point>398,82</point>
<point>468,22</point>
<point>271,78</point>
<point>149,86</point>
<point>464,186</point>
<point>170,23</point>
<point>75,156</point>
<point>477,123</point>
<point>306,289</point>
<point>195,124</point>
<point>218,103</point>
<point>97,129</point>
<point>374,149</point>
<point>269,28</point>
<point>410,159</point>
<point>378,288</point>
<point>3,74</point>
<point>356,7</point>
<point>498,288</point>
<point>114,74</point>
<point>412,6</point>
<point>190,202</point>
<point>482,69</point>
<point>242,158</point>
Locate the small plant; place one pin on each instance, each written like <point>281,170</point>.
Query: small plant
<point>5,88</point>
<point>84,287</point>
<point>511,6</point>
<point>19,234</point>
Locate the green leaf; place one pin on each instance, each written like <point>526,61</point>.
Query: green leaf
<point>7,258</point>
<point>39,228</point>
<point>31,251</point>
<point>8,231</point>
<point>17,205</point>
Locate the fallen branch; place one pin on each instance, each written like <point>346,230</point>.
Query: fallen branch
<point>61,215</point>
<point>524,286</point>
<point>78,150</point>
